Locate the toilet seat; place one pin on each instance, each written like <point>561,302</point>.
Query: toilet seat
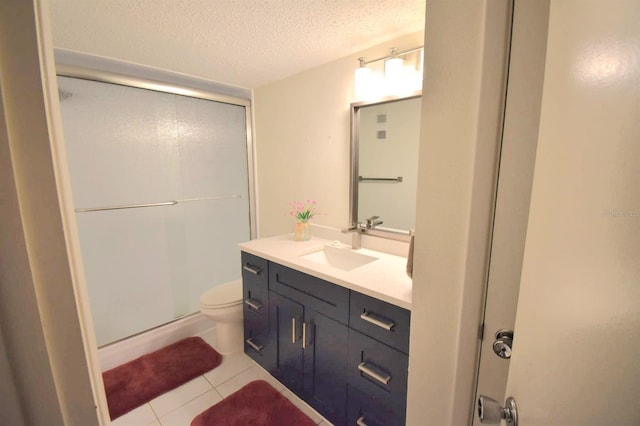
<point>223,295</point>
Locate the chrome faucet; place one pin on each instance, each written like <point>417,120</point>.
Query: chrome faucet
<point>356,241</point>
<point>372,222</point>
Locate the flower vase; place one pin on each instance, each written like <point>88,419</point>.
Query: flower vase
<point>303,232</point>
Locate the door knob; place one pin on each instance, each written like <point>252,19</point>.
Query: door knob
<point>503,344</point>
<point>490,411</point>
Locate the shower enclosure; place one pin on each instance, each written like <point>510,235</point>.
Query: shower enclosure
<point>161,187</point>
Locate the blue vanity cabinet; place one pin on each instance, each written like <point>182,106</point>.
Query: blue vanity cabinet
<point>344,353</point>
<point>310,316</point>
<point>255,290</point>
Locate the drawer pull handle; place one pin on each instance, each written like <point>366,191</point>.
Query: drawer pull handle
<point>253,269</point>
<point>255,346</point>
<point>253,304</point>
<point>374,374</point>
<point>378,320</point>
<point>360,421</point>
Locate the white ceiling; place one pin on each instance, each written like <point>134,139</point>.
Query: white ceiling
<point>245,43</point>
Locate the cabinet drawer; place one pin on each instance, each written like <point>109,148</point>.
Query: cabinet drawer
<point>381,320</point>
<point>372,410</point>
<point>377,369</point>
<point>255,270</point>
<point>314,293</point>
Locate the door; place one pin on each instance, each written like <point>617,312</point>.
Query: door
<point>184,160</point>
<point>325,365</point>
<point>577,329</point>
<point>513,195</point>
<point>286,318</point>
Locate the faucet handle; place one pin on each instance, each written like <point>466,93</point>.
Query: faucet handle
<point>373,221</point>
<point>370,220</point>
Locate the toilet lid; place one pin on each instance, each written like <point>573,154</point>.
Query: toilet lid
<point>223,295</point>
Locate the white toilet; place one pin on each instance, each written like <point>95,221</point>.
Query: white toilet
<point>223,304</point>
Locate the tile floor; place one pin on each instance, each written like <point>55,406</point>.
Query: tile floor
<point>179,406</point>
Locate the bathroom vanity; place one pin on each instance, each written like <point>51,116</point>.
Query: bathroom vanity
<point>332,324</point>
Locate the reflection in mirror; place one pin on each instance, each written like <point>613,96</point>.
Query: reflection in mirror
<point>385,138</point>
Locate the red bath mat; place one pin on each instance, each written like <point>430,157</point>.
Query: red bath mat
<point>130,385</point>
<point>256,404</point>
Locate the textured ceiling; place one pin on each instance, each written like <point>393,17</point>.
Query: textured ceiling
<point>246,43</point>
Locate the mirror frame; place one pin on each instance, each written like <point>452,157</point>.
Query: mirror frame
<point>401,235</point>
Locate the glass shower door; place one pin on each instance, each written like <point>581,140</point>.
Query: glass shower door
<point>160,186</point>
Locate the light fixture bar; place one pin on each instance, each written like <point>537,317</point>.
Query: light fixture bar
<point>406,52</point>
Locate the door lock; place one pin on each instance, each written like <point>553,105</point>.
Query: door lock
<point>503,344</point>
<point>490,411</point>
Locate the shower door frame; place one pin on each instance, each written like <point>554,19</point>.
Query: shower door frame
<point>175,89</point>
<point>137,82</point>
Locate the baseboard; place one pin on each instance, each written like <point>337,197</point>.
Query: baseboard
<point>133,347</point>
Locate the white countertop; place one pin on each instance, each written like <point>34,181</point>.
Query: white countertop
<point>385,278</point>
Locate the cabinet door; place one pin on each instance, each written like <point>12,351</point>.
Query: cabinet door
<point>286,317</point>
<point>325,366</point>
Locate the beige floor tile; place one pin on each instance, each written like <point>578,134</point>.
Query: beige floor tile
<point>141,416</point>
<point>254,373</point>
<point>180,396</point>
<point>231,366</point>
<point>183,415</point>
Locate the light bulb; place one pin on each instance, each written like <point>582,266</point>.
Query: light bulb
<point>394,73</point>
<point>393,68</point>
<point>363,80</point>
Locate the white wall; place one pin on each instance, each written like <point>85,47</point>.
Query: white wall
<point>302,128</point>
<point>38,311</point>
<point>10,239</point>
<point>465,57</point>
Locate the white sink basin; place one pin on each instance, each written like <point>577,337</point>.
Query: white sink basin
<point>341,258</point>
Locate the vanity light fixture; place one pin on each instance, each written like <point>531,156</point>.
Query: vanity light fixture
<point>393,66</point>
<point>401,74</point>
<point>363,78</point>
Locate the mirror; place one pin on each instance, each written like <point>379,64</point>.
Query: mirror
<point>384,164</point>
